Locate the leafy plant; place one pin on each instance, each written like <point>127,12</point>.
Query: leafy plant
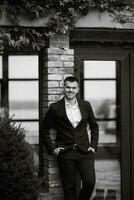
<point>61,16</point>
<point>18,178</point>
<point>19,37</point>
<point>63,13</point>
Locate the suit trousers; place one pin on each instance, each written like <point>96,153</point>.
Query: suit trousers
<point>69,163</point>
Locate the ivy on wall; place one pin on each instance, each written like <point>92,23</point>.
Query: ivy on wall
<point>62,14</point>
<point>19,37</point>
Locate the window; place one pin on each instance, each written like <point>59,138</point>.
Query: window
<point>114,156</point>
<point>100,88</point>
<point>23,87</point>
<point>1,76</point>
<point>21,92</point>
<point>0,67</point>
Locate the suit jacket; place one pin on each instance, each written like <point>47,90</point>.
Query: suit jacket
<point>67,135</point>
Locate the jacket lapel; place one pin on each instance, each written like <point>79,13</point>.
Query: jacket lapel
<point>63,111</point>
<point>82,109</point>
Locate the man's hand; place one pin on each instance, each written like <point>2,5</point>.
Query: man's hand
<point>91,149</point>
<point>57,150</point>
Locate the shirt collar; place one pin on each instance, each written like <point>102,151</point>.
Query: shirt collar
<point>68,104</point>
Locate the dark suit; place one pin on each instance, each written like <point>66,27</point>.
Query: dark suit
<point>67,136</point>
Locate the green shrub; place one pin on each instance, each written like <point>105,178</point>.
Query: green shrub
<point>18,178</point>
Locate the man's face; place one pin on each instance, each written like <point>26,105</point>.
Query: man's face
<point>71,89</point>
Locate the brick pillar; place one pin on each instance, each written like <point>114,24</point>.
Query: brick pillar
<point>58,63</point>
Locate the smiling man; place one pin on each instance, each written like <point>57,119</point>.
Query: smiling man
<point>70,117</point>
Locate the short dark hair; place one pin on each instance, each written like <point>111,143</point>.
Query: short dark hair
<point>71,79</point>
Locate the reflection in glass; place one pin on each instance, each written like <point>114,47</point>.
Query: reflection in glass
<point>31,131</point>
<point>23,66</point>
<point>0,66</point>
<point>0,97</point>
<point>23,99</point>
<point>107,132</point>
<point>102,95</point>
<point>108,177</point>
<point>99,69</point>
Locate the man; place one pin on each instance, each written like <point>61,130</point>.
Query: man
<point>70,117</point>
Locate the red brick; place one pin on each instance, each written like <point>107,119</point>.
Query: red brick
<point>51,57</point>
<point>54,177</point>
<point>66,70</point>
<point>60,51</point>
<point>53,84</point>
<point>54,77</point>
<point>54,184</point>
<point>51,70</point>
<point>51,97</point>
<point>55,191</point>
<point>52,91</point>
<point>66,57</point>
<point>53,170</point>
<point>54,64</point>
<point>61,41</point>
<point>54,51</point>
<point>53,163</point>
<point>68,64</point>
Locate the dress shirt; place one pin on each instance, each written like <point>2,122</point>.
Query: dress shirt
<point>73,113</point>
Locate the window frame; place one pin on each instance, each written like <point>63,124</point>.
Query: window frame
<point>1,83</point>
<point>6,79</point>
<point>122,56</point>
<point>115,119</point>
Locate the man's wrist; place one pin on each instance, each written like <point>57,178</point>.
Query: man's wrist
<point>92,149</point>
<point>57,150</point>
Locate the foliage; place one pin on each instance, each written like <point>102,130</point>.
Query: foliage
<point>18,179</point>
<point>18,37</point>
<point>61,14</point>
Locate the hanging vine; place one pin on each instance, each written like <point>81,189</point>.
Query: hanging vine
<point>19,37</point>
<point>61,14</point>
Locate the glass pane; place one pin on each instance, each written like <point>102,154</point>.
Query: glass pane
<point>23,66</point>
<point>0,66</point>
<point>102,95</point>
<point>0,99</point>
<point>108,178</point>
<point>23,99</point>
<point>99,69</point>
<point>107,132</point>
<point>31,131</point>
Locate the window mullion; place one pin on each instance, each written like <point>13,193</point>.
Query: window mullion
<point>5,83</point>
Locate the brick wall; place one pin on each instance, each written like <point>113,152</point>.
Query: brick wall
<point>58,63</point>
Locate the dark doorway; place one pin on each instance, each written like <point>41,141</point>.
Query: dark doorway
<point>104,75</point>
